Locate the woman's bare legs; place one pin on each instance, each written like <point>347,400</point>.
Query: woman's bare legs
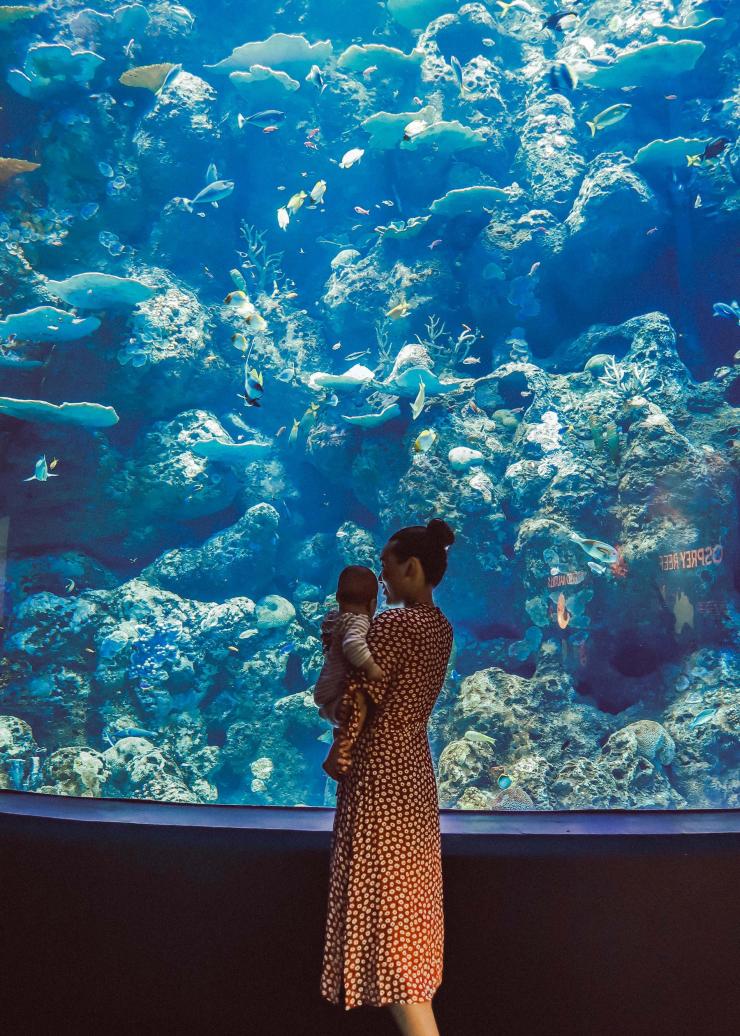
<point>415,1019</point>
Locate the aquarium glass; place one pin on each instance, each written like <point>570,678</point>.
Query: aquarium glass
<point>280,277</point>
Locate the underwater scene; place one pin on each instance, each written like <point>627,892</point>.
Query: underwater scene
<point>278,278</point>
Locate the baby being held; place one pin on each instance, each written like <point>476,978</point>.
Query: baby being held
<point>343,633</point>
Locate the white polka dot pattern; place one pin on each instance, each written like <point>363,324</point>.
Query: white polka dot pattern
<point>385,924</point>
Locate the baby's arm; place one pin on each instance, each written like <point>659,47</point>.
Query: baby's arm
<point>358,653</point>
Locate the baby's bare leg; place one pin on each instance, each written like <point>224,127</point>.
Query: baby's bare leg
<point>415,1019</point>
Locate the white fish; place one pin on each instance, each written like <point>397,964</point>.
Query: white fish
<point>315,77</point>
<point>351,157</point>
<point>418,405</point>
<point>211,194</point>
<point>41,472</point>
<point>283,217</point>
<point>317,192</point>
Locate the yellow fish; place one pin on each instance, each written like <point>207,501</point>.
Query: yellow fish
<point>425,440</point>
<point>232,648</point>
<point>54,463</point>
<point>418,405</point>
<point>295,202</point>
<point>398,311</point>
<point>293,437</point>
<point>239,342</point>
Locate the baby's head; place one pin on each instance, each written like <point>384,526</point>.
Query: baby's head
<point>357,590</point>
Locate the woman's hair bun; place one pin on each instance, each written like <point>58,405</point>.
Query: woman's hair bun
<point>439,530</point>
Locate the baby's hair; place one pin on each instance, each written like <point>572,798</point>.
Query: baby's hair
<point>428,543</point>
<point>356,585</point>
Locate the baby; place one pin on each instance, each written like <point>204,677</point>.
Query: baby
<point>343,634</point>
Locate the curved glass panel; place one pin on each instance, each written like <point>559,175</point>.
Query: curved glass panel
<point>280,279</point>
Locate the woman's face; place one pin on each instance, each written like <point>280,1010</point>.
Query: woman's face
<point>398,580</point>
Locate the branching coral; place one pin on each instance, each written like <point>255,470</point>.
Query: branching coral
<point>259,264</point>
<point>440,346</point>
<point>624,380</point>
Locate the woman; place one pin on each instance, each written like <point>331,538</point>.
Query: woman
<point>385,925</point>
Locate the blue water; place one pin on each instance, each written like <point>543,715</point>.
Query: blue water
<point>217,212</point>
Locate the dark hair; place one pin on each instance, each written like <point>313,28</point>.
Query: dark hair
<point>357,584</point>
<point>428,543</point>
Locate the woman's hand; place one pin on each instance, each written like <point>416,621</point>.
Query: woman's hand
<point>338,761</point>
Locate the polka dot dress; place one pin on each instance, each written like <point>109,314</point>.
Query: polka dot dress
<point>385,925</point>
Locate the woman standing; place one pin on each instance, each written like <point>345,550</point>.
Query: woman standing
<point>385,923</point>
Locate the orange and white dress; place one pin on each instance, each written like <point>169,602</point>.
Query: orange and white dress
<point>385,924</point>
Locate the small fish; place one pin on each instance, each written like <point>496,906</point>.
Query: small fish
<point>314,76</point>
<point>715,148</point>
<point>294,430</point>
<point>291,295</point>
<point>651,230</point>
<point>517,5</point>
<point>596,549</point>
<point>671,97</point>
<point>704,716</point>
<point>270,129</point>
<point>418,405</point>
<point>314,132</point>
<point>356,356</point>
<point>398,311</point>
<point>609,117</point>
<point>387,202</point>
<point>54,462</point>
<point>295,202</point>
<point>128,50</point>
<point>425,440</point>
<point>253,387</point>
<point>337,345</point>
<point>361,212</point>
<point>232,648</point>
<point>458,73</point>
<point>41,471</point>
<point>280,431</point>
<point>553,21</point>
<point>239,301</point>
<point>367,72</point>
<point>310,144</point>
<point>599,569</point>
<point>433,245</point>
<point>472,359</point>
<point>351,157</point>
<point>239,342</point>
<point>268,117</point>
<point>283,217</point>
<point>317,192</point>
<point>70,586</point>
<point>211,194</point>
<point>90,651</point>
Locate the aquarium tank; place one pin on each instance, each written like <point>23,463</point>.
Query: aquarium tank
<point>278,278</point>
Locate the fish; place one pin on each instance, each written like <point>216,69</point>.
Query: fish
<point>357,355</point>
<point>599,569</point>
<point>517,5</point>
<point>41,472</point>
<point>317,192</point>
<point>398,311</point>
<point>270,129</point>
<point>414,128</point>
<point>609,117</point>
<point>295,202</point>
<point>294,430</point>
<point>211,194</point>
<point>280,431</point>
<point>310,144</point>
<point>425,440</point>
<point>387,202</point>
<point>253,387</point>
<point>231,647</point>
<point>433,245</point>
<point>314,132</point>
<point>314,76</point>
<point>55,461</point>
<point>70,586</point>
<point>418,405</point>
<point>728,310</point>
<point>239,342</point>
<point>211,173</point>
<point>562,75</point>
<point>267,117</point>
<point>369,70</point>
<point>283,217</point>
<point>553,20</point>
<point>713,150</point>
<point>704,716</point>
<point>563,615</point>
<point>351,157</point>
<point>361,212</point>
<point>472,359</point>
<point>239,301</point>
<point>596,549</point>
<point>458,73</point>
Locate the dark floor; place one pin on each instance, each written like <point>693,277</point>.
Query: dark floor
<point>162,927</point>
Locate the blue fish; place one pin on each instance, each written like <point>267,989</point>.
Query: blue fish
<point>211,194</point>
